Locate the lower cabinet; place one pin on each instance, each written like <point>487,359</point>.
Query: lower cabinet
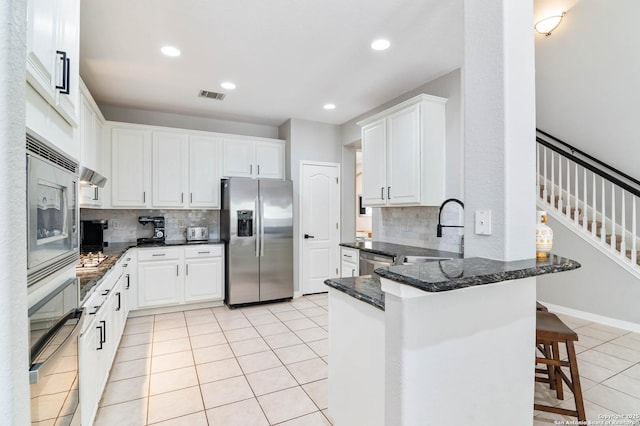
<point>170,276</point>
<point>349,262</point>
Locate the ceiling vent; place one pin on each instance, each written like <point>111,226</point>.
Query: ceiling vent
<point>211,95</point>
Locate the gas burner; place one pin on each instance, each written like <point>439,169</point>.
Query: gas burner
<point>91,260</point>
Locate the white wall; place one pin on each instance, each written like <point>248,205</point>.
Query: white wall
<point>155,118</point>
<point>307,141</point>
<point>600,286</point>
<point>14,345</point>
<point>587,83</point>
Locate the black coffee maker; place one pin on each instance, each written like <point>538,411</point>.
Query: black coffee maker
<point>158,229</point>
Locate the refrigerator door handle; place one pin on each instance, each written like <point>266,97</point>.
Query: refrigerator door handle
<point>261,226</point>
<point>257,225</point>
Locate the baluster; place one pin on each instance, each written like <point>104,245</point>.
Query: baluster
<point>603,217</point>
<point>585,203</point>
<point>634,236</point>
<point>613,218</point>
<point>559,183</point>
<point>553,180</point>
<point>545,191</point>
<point>623,234</point>
<point>567,192</point>
<point>538,171</point>
<point>576,191</point>
<point>594,223</point>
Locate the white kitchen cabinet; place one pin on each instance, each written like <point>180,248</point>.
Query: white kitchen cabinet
<point>204,172</point>
<point>204,273</point>
<point>131,164</point>
<point>53,46</point>
<point>129,279</point>
<point>403,151</point>
<point>159,276</point>
<point>91,148</point>
<point>349,262</point>
<point>170,151</point>
<point>253,158</point>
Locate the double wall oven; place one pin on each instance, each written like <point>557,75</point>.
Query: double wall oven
<point>53,289</point>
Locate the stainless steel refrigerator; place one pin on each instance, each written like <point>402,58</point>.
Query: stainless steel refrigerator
<point>256,225</point>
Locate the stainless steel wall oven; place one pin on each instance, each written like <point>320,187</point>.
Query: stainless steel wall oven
<point>52,210</point>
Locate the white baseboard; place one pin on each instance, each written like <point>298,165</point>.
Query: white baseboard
<point>297,294</point>
<point>174,308</point>
<point>588,316</point>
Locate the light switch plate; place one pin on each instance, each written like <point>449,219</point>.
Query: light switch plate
<point>483,222</point>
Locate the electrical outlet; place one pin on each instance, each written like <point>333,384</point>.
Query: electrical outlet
<point>114,224</point>
<point>180,223</point>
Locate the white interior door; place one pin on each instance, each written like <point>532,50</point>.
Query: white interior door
<point>319,225</point>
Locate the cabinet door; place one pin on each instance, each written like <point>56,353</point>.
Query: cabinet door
<point>88,342</point>
<point>68,41</point>
<point>204,172</point>
<point>41,51</point>
<point>203,279</point>
<point>158,283</point>
<point>130,168</point>
<point>238,158</point>
<point>374,164</point>
<point>88,142</point>
<point>403,157</point>
<point>269,160</point>
<point>169,169</point>
<point>348,270</point>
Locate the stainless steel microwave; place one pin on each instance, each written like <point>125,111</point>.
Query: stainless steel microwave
<point>52,210</point>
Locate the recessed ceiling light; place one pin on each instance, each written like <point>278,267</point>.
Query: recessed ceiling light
<point>329,106</point>
<point>228,85</point>
<point>380,44</point>
<point>170,51</point>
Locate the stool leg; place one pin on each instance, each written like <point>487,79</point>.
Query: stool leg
<point>575,379</point>
<point>558,376</point>
<point>550,368</point>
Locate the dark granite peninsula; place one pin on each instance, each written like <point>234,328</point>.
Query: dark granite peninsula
<point>398,251</point>
<point>412,341</point>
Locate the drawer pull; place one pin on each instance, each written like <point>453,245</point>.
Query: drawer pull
<point>204,252</point>
<point>158,254</point>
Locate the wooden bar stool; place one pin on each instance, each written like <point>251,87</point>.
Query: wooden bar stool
<point>550,331</point>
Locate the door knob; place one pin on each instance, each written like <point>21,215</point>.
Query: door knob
<point>307,236</point>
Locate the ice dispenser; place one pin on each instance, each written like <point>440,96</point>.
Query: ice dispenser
<point>245,223</point>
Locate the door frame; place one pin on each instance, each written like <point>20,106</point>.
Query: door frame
<point>298,228</point>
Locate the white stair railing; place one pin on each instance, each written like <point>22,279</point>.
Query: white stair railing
<point>595,199</point>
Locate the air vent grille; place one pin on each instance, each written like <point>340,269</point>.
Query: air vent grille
<point>42,150</point>
<point>211,95</point>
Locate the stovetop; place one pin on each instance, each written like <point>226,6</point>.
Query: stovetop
<point>91,260</point>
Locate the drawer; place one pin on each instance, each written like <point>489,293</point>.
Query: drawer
<point>147,254</point>
<point>204,251</point>
<point>349,255</point>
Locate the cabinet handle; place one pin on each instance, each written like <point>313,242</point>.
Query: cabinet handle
<point>182,197</point>
<point>353,273</point>
<point>258,169</point>
<point>388,192</point>
<point>382,193</point>
<point>128,281</point>
<point>204,252</point>
<point>250,169</point>
<point>95,194</point>
<point>177,270</point>
<point>144,196</point>
<point>103,334</point>
<point>347,255</point>
<point>187,269</point>
<point>66,68</point>
<point>119,301</point>
<point>191,197</point>
<point>97,308</point>
<point>104,293</point>
<point>159,254</point>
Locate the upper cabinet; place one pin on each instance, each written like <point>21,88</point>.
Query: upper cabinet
<point>53,53</point>
<point>204,172</point>
<point>253,158</point>
<point>403,154</point>
<point>131,166</point>
<point>170,152</point>
<point>92,156</point>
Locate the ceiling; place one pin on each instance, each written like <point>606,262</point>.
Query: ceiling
<point>287,57</point>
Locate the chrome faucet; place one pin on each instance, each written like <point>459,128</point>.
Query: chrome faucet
<point>440,226</point>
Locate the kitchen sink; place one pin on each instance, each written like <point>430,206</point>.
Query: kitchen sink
<point>410,260</point>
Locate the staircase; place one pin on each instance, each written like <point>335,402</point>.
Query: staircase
<point>590,197</point>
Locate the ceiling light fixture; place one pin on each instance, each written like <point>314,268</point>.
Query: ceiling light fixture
<point>329,106</point>
<point>170,51</point>
<point>548,24</point>
<point>380,44</point>
<point>228,85</point>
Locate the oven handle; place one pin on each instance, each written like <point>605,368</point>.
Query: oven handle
<point>54,293</point>
<point>34,370</point>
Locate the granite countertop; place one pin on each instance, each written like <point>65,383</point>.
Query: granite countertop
<point>398,250</point>
<point>446,275</point>
<point>90,277</point>
<point>365,288</point>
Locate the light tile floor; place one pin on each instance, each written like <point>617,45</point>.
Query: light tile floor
<point>267,365</point>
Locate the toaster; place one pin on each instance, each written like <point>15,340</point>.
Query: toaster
<point>197,233</point>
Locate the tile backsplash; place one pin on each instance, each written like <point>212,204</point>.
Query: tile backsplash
<point>417,226</point>
<point>125,228</point>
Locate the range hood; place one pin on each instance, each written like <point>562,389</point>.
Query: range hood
<point>92,177</point>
